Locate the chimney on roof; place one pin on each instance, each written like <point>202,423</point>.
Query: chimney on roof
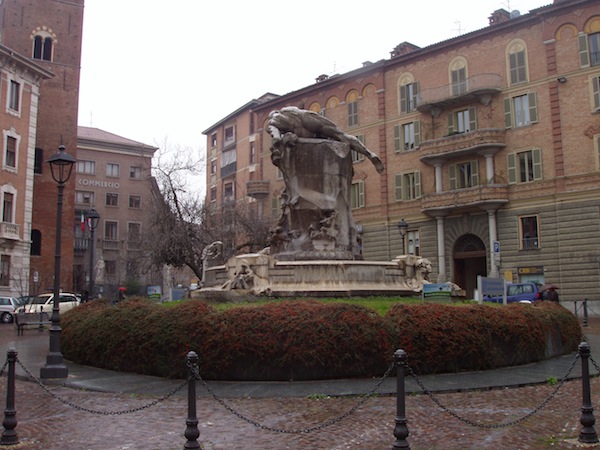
<point>403,49</point>
<point>499,16</point>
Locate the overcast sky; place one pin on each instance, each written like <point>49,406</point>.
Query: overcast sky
<point>155,70</point>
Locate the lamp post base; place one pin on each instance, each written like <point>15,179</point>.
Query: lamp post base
<point>55,367</point>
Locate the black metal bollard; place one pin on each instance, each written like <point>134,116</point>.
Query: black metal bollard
<point>400,430</point>
<point>588,433</point>
<point>192,433</point>
<point>9,435</point>
<point>585,313</point>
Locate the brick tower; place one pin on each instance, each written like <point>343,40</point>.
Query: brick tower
<point>50,33</point>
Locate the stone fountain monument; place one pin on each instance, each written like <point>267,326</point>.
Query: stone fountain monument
<point>314,248</point>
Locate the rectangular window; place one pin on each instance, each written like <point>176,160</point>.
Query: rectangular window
<point>135,201</point>
<point>134,231</point>
<point>459,81</point>
<point>407,137</point>
<point>5,270</point>
<point>352,114</point>
<point>213,167</point>
<point>462,121</point>
<point>112,199</point>
<point>518,69</point>
<point>14,96</point>
<point>358,194</point>
<point>275,207</point>
<point>7,207</point>
<point>525,166</point>
<point>530,233</point>
<point>413,242</point>
<point>213,194</point>
<point>520,111</point>
<point>356,157</point>
<point>463,175</point>
<point>38,160</point>
<point>213,140</point>
<point>594,48</point>
<point>408,97</point>
<point>135,172</point>
<point>10,159</point>
<point>110,268</point>
<point>228,192</point>
<point>86,167</point>
<point>229,135</point>
<point>84,197</point>
<point>252,155</point>
<point>408,186</point>
<point>112,170</point>
<point>111,230</point>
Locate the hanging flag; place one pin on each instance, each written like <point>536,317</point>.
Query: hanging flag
<point>82,221</point>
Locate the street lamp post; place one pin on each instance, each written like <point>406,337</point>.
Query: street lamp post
<point>61,166</point>
<point>402,228</point>
<point>93,219</point>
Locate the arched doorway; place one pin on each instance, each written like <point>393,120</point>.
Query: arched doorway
<point>469,261</point>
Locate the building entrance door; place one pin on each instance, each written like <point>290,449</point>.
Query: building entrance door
<point>469,261</point>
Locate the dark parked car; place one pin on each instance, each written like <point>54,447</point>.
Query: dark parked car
<point>519,292</point>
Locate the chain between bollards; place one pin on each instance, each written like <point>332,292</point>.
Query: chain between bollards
<point>192,433</point>
<point>400,430</point>
<point>588,433</point>
<point>9,435</point>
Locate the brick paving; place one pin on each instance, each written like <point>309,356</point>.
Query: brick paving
<point>45,422</point>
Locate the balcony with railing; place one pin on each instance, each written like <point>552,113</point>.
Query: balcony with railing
<point>468,199</point>
<point>460,144</point>
<point>110,244</point>
<point>81,244</point>
<point>257,188</point>
<point>10,231</point>
<point>480,88</point>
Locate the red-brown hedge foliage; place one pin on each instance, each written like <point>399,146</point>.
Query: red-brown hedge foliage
<point>309,339</point>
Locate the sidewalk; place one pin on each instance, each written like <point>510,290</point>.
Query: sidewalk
<point>33,346</point>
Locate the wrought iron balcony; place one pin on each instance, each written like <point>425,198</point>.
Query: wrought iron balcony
<point>476,88</point>
<point>478,197</point>
<point>257,188</point>
<point>10,231</point>
<point>462,144</point>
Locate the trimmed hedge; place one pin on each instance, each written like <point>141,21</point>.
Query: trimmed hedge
<point>309,339</point>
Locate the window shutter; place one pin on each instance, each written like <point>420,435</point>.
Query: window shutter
<point>512,61</point>
<point>474,174</point>
<point>596,92</point>
<point>415,94</point>
<point>584,57</point>
<point>472,119</point>
<point>417,184</point>
<point>361,194</point>
<point>507,113</point>
<point>398,186</point>
<point>512,168</point>
<point>397,140</point>
<point>533,113</point>
<point>403,99</point>
<point>452,176</point>
<point>417,131</point>
<point>451,123</point>
<point>536,154</point>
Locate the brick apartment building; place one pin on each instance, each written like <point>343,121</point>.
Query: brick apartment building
<point>46,35</point>
<point>491,143</point>
<point>113,176</point>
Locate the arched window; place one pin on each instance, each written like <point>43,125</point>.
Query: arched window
<point>43,45</point>
<point>516,58</point>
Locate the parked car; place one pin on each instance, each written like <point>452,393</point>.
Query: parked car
<point>8,306</point>
<point>45,303</point>
<point>519,292</point>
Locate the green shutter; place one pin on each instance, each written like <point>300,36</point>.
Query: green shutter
<point>514,77</point>
<point>403,99</point>
<point>596,92</point>
<point>397,141</point>
<point>584,57</point>
<point>533,112</point>
<point>415,94</point>
<point>417,184</point>
<point>472,119</point>
<point>361,194</point>
<point>451,123</point>
<point>512,168</point>
<point>417,124</point>
<point>507,113</point>
<point>536,155</point>
<point>474,174</point>
<point>452,176</point>
<point>398,187</point>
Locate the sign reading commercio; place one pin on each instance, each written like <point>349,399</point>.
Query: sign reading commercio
<point>99,183</point>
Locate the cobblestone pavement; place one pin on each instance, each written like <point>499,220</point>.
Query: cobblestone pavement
<point>54,420</point>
